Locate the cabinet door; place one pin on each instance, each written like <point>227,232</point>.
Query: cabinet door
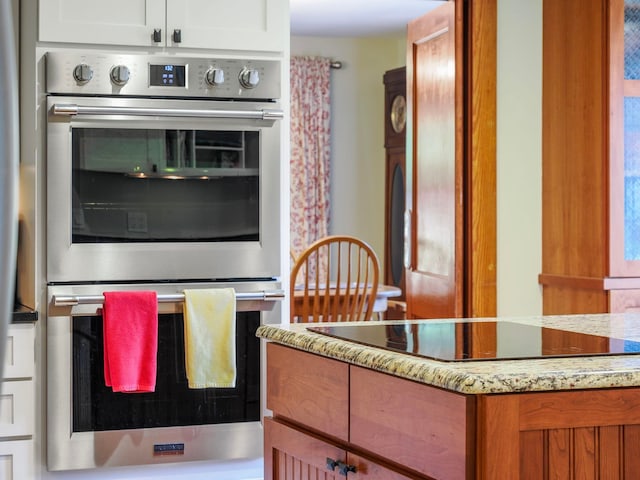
<point>16,460</point>
<point>116,22</point>
<point>19,361</point>
<point>426,429</point>
<point>16,408</point>
<point>259,25</point>
<point>289,452</point>
<point>435,248</point>
<point>309,389</point>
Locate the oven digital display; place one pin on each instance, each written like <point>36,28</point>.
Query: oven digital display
<point>167,75</point>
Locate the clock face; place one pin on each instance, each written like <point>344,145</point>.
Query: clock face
<point>398,113</point>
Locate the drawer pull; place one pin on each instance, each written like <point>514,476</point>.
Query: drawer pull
<point>331,464</point>
<point>343,468</point>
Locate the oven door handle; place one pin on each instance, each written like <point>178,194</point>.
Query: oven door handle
<point>72,300</point>
<point>71,109</point>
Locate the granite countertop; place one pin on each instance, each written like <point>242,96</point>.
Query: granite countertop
<point>488,376</point>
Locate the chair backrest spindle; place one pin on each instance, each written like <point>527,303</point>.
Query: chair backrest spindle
<point>335,279</point>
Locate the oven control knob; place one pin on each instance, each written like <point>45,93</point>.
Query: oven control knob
<point>249,78</point>
<point>214,76</point>
<point>82,73</point>
<point>120,75</point>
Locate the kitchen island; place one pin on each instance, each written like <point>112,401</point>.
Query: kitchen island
<point>518,398</point>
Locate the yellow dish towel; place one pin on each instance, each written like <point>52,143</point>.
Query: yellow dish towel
<point>210,337</point>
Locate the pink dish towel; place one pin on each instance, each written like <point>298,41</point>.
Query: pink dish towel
<point>130,326</point>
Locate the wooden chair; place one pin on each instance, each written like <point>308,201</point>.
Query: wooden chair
<point>335,279</point>
<point>292,258</point>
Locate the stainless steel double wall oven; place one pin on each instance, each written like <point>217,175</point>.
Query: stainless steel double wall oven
<point>163,173</point>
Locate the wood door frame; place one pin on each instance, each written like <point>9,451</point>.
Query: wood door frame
<point>480,156</point>
<point>478,59</point>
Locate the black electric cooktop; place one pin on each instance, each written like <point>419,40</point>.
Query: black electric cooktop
<point>482,340</point>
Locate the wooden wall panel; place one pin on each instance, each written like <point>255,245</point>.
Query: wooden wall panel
<point>582,434</point>
<point>574,170</point>
<point>532,448</point>
<point>581,408</point>
<point>609,453</point>
<point>587,453</point>
<point>631,449</point>
<point>567,300</point>
<point>575,190</point>
<point>584,453</point>
<point>498,443</point>
<point>558,454</point>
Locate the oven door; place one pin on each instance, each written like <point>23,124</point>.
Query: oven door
<point>90,426</point>
<point>141,189</point>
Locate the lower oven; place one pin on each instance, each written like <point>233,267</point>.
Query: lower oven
<point>90,426</point>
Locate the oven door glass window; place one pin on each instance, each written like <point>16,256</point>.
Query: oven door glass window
<point>97,408</point>
<point>139,185</point>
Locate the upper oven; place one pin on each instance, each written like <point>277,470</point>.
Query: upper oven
<point>162,168</point>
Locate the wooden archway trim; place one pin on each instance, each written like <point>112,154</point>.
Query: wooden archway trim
<point>481,218</point>
<point>453,228</point>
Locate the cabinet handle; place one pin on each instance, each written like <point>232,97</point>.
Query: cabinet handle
<point>331,464</point>
<point>177,35</point>
<point>157,35</point>
<point>344,468</point>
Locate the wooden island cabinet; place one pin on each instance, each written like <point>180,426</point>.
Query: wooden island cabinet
<point>369,420</point>
<point>345,409</point>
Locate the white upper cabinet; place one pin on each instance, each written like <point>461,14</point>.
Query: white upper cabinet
<point>229,25</point>
<point>117,22</point>
<point>259,25</point>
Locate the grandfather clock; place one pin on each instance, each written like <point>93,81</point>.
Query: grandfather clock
<point>394,143</point>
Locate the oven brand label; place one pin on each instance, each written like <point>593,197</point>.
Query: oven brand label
<point>168,449</point>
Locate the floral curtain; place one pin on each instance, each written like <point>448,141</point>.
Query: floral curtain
<point>310,150</point>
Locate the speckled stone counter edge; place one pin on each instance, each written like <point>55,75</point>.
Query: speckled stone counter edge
<point>487,376</point>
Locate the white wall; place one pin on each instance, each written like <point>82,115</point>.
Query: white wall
<point>357,106</point>
<point>519,157</point>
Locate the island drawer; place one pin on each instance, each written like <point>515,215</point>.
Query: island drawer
<point>309,390</point>
<point>424,428</point>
